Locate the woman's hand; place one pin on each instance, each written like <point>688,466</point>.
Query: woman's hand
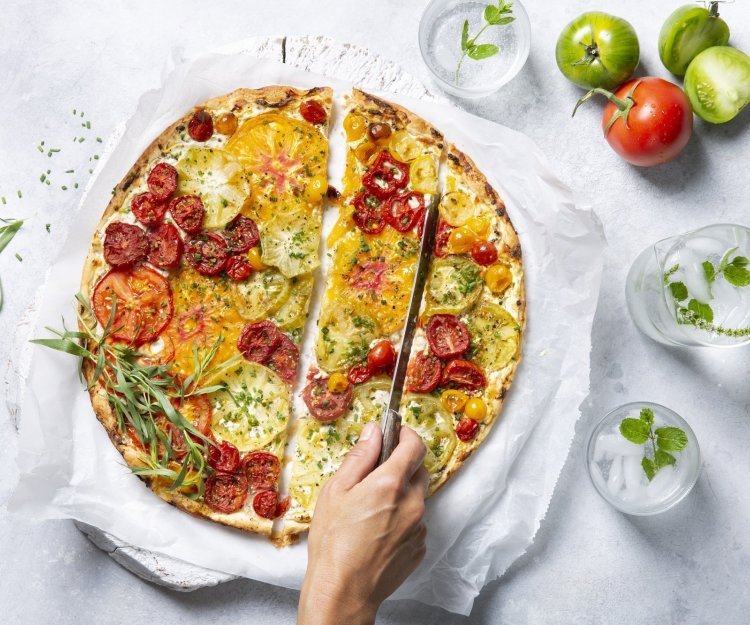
<point>367,535</point>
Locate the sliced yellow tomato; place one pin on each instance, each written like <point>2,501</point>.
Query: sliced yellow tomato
<point>354,126</point>
<point>374,274</point>
<point>216,177</point>
<point>495,335</point>
<point>454,284</point>
<point>344,335</point>
<point>423,174</point>
<point>293,312</point>
<point>261,294</point>
<point>424,414</point>
<point>404,146</point>
<point>457,208</point>
<point>290,242</point>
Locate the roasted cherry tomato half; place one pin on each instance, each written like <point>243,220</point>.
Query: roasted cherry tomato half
<point>124,244</point>
<point>201,126</point>
<point>224,457</point>
<point>323,404</point>
<point>463,374</point>
<point>257,341</point>
<point>484,252</point>
<point>359,374</point>
<point>313,111</point>
<point>261,468</point>
<point>381,355</point>
<point>226,492</point>
<point>423,374</point>
<point>238,269</point>
<point>467,429</point>
<point>207,253</point>
<point>447,335</point>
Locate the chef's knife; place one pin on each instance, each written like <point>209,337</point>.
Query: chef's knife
<point>390,421</point>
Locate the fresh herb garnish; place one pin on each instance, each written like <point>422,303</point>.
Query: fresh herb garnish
<point>144,397</point>
<point>499,15</point>
<point>7,232</point>
<point>663,441</point>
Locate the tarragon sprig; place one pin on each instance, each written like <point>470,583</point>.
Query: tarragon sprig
<point>7,231</point>
<point>663,441</point>
<point>141,394</point>
<point>499,15</point>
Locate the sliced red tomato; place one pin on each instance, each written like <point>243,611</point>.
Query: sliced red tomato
<point>386,176</point>
<point>226,492</point>
<point>201,126</point>
<point>207,253</point>
<point>381,355</point>
<point>447,335</point>
<point>368,214</point>
<point>162,181</point>
<point>324,404</point>
<point>241,234</point>
<point>148,209</point>
<point>467,429</point>
<point>267,505</point>
<point>262,469</point>
<point>165,246</point>
<point>359,374</point>
<point>423,373</point>
<point>369,275</point>
<point>224,457</point>
<point>142,299</point>
<point>405,211</point>
<point>284,360</point>
<point>124,244</point>
<point>238,268</point>
<point>442,235</point>
<point>463,374</point>
<point>259,340</point>
<point>313,111</point>
<point>188,212</point>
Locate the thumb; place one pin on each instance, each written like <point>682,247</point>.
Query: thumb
<point>361,459</point>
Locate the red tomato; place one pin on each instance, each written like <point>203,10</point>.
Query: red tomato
<point>312,111</point>
<point>423,373</point>
<point>359,374</point>
<point>463,374</point>
<point>224,457</point>
<point>403,212</point>
<point>267,505</point>
<point>262,469</point>
<point>226,492</point>
<point>386,176</point>
<point>382,355</point>
<point>258,341</point>
<point>238,268</point>
<point>467,429</point>
<point>147,209</point>
<point>447,335</point>
<point>648,121</point>
<point>165,246</point>
<point>441,238</point>
<point>241,234</point>
<point>162,181</point>
<point>324,404</point>
<point>124,244</point>
<point>201,126</point>
<point>207,253</point>
<point>143,304</point>
<point>188,212</point>
<point>284,360</point>
<point>484,253</point>
<point>368,213</point>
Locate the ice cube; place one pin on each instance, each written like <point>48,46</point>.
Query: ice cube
<point>630,495</point>
<point>596,475</point>
<point>616,445</point>
<point>615,480</point>
<point>633,471</point>
<point>662,485</point>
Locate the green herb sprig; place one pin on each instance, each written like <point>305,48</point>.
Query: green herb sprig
<point>141,395</point>
<point>7,231</point>
<point>663,441</point>
<point>499,15</point>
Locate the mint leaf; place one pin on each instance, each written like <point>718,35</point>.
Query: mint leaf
<point>491,13</point>
<point>465,36</point>
<point>740,261</point>
<point>635,430</point>
<point>663,458</point>
<point>671,439</point>
<point>701,310</point>
<point>709,271</point>
<point>679,290</point>
<point>737,275</point>
<point>647,416</point>
<point>483,51</point>
<point>648,468</point>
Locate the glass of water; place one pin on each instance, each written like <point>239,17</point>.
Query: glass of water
<point>440,42</point>
<point>694,289</point>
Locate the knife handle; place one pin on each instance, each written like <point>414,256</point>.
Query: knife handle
<point>390,423</point>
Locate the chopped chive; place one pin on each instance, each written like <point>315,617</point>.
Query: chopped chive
<point>81,140</point>
<point>42,142</point>
<point>42,178</point>
<point>75,139</point>
<point>98,139</point>
<point>47,182</point>
<point>91,171</point>
<point>3,199</point>
<point>46,227</point>
<point>81,113</point>
<point>19,257</point>
<point>49,171</point>
<point>20,195</point>
<point>40,148</point>
<point>69,171</point>
<point>75,185</point>
<point>74,112</point>
<point>64,188</point>
<point>88,125</point>
<point>96,157</point>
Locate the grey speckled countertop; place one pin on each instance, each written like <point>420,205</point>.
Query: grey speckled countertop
<point>589,564</point>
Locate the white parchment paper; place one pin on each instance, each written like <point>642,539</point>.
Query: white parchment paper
<point>485,517</point>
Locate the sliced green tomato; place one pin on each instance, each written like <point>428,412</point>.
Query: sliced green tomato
<point>717,84</point>
<point>455,283</point>
<point>253,410</point>
<point>293,312</point>
<point>369,400</point>
<point>457,208</point>
<point>687,32</point>
<point>494,335</point>
<point>261,295</point>
<point>344,337</point>
<point>218,179</point>
<point>425,415</point>
<point>290,242</point>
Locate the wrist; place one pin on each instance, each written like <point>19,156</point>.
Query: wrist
<point>326,601</point>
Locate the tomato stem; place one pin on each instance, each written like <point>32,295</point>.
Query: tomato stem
<point>623,105</point>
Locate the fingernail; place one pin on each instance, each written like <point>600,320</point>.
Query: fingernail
<point>368,431</point>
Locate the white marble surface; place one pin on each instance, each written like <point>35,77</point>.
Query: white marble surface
<point>589,563</point>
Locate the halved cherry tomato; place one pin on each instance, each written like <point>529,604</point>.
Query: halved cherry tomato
<point>381,355</point>
<point>359,374</point>
<point>165,246</point>
<point>241,234</point>
<point>368,214</point>
<point>379,132</point>
<point>313,111</point>
<point>238,268</point>
<point>386,176</point>
<point>147,209</point>
<point>423,374</point>
<point>463,374</point>
<point>262,469</point>
<point>467,429</point>
<point>447,335</point>
<point>484,253</point>
<point>453,401</point>
<point>267,505</point>
<point>143,304</point>
<point>224,457</point>
<point>226,492</point>
<point>124,244</point>
<point>475,409</point>
<point>201,126</point>
<point>188,212</point>
<point>442,235</point>
<point>226,124</point>
<point>162,181</point>
<point>284,360</point>
<point>322,403</point>
<point>338,383</point>
<point>354,126</point>
<point>403,212</point>
<point>258,341</point>
<point>207,253</point>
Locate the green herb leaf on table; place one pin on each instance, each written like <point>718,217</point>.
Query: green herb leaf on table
<point>663,440</point>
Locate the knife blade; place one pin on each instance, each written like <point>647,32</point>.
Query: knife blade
<point>390,421</point>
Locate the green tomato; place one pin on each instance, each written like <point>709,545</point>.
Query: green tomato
<point>689,31</point>
<point>717,83</point>
<point>597,50</point>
